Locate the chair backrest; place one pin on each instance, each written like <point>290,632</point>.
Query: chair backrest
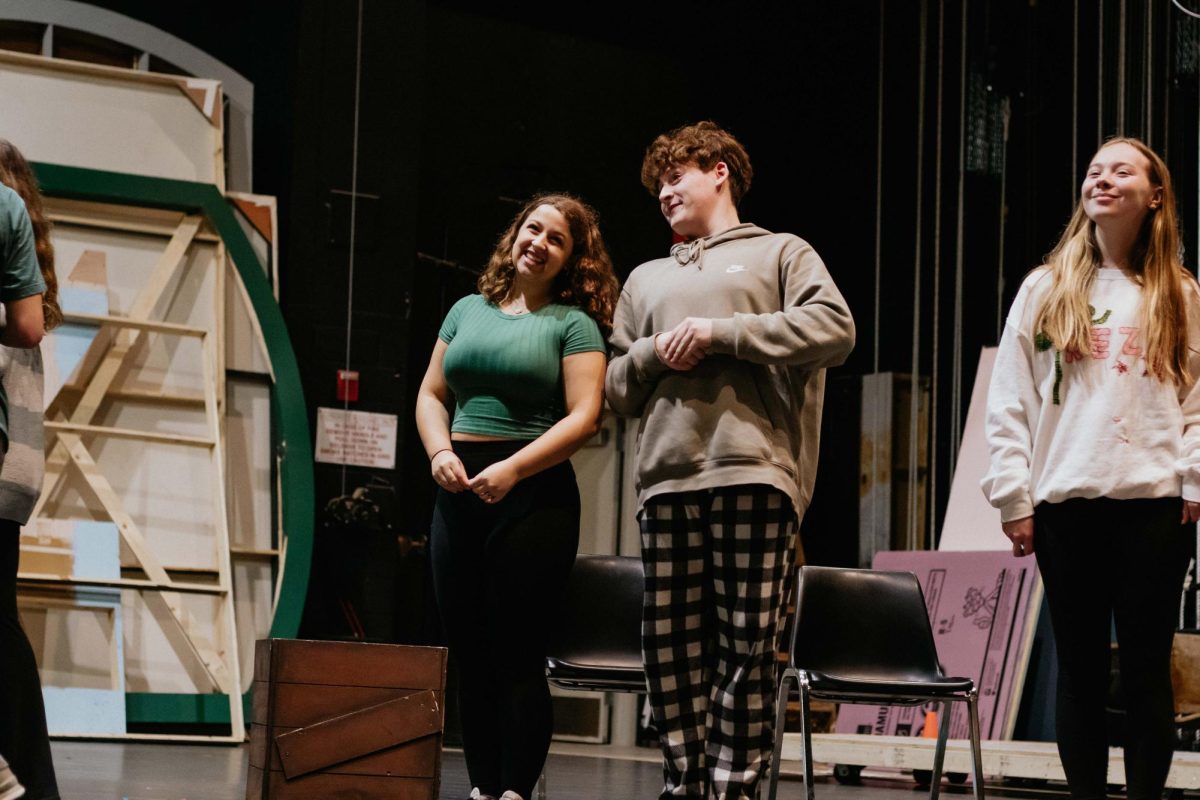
<point>600,623</point>
<point>863,624</point>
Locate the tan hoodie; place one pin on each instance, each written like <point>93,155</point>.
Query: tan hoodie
<point>749,412</point>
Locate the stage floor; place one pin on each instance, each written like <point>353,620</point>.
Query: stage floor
<point>141,771</point>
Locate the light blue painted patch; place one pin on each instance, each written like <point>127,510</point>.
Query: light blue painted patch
<point>96,552</point>
<point>70,342</point>
<point>80,300</point>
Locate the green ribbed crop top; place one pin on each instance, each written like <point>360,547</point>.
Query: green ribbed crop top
<point>506,370</point>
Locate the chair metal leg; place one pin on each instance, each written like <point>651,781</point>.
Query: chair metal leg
<point>976,751</point>
<point>542,785</point>
<point>939,753</point>
<point>781,699</point>
<point>806,725</point>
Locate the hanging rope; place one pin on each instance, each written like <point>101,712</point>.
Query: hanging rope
<point>353,221</point>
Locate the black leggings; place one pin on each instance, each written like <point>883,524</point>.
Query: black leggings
<point>23,740</point>
<point>1104,559</point>
<point>498,572</point>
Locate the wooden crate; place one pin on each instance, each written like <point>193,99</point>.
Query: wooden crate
<point>342,719</point>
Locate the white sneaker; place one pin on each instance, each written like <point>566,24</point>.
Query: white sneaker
<point>511,795</point>
<point>475,795</point>
<point>10,787</point>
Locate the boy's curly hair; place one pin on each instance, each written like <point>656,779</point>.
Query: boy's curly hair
<point>703,144</point>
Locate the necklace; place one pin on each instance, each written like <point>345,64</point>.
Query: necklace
<point>518,307</point>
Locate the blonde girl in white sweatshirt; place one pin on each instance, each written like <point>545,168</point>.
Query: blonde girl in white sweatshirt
<point>1094,430</point>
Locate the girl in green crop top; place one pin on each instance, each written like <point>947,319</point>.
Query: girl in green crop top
<point>514,387</point>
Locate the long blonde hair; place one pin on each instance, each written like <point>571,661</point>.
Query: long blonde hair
<point>1065,317</point>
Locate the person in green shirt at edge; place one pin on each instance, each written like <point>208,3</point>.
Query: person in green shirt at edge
<point>521,366</point>
<point>27,260</point>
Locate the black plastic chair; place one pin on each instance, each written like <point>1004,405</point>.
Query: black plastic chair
<point>861,636</point>
<point>597,644</point>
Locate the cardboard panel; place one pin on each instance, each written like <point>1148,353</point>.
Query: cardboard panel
<point>979,605</point>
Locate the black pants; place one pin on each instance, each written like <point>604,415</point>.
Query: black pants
<point>23,740</point>
<point>499,572</point>
<point>1103,560</point>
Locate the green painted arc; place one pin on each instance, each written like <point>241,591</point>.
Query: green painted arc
<point>290,415</point>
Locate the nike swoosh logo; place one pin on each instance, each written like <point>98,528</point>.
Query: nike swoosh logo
<point>735,268</point>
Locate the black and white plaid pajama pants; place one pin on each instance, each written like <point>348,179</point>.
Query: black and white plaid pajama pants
<point>717,565</point>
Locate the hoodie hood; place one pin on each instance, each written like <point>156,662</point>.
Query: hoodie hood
<point>686,253</point>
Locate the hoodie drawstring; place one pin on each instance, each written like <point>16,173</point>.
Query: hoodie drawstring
<point>685,253</point>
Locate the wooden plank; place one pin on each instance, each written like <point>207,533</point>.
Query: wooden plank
<point>415,759</point>
<point>299,704</point>
<point>250,554</point>
<point>136,324</point>
<point>147,396</point>
<point>117,583</point>
<point>210,361</point>
<point>353,664</point>
<point>183,633</point>
<point>112,351</point>
<point>129,433</point>
<point>94,70</point>
<point>155,222</point>
<point>125,226</point>
<point>368,730</point>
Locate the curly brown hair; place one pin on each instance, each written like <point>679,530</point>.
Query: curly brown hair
<point>16,174</point>
<point>587,279</point>
<point>703,144</point>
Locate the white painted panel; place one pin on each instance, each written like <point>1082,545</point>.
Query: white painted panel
<point>253,591</point>
<point>132,125</point>
<point>248,463</point>
<point>151,663</point>
<point>596,467</point>
<point>166,488</point>
<point>248,494</point>
<point>630,536</point>
<point>971,522</point>
<point>244,348</point>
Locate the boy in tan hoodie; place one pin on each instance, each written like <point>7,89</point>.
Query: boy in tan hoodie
<point>721,349</point>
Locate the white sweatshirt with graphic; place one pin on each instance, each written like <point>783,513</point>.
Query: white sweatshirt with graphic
<point>1063,424</point>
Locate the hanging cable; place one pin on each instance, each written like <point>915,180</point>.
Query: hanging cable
<point>1074,102</point>
<point>959,236</point>
<point>1148,69</point>
<point>1100,77</point>
<point>937,284</point>
<point>878,197</point>
<point>1121,68</point>
<point>1005,112</point>
<point>914,402</point>
<point>353,223</point>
